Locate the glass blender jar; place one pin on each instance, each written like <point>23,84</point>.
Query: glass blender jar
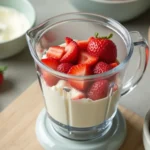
<point>84,119</point>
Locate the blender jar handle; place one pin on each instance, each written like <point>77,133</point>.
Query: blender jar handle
<point>137,40</point>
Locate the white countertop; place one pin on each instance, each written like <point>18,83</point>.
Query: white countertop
<point>21,73</point>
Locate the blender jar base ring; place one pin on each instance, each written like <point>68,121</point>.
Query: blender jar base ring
<point>51,140</point>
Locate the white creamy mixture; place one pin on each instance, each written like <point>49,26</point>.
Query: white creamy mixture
<point>12,24</point>
<point>77,113</point>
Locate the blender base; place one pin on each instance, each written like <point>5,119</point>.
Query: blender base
<point>51,140</point>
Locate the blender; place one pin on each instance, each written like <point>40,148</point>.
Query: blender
<point>68,124</point>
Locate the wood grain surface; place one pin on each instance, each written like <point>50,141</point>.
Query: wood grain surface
<point>17,123</point>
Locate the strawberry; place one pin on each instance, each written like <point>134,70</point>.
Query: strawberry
<point>76,95</point>
<point>50,62</point>
<point>2,69</point>
<point>82,45</point>
<point>68,40</point>
<point>147,55</point>
<point>85,58</point>
<point>64,67</point>
<point>1,78</point>
<point>98,90</point>
<point>79,70</point>
<point>71,54</point>
<point>101,67</point>
<point>55,52</point>
<point>103,48</point>
<point>48,77</point>
<point>115,87</point>
<point>115,64</point>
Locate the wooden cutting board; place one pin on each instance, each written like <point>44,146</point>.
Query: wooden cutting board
<point>17,123</point>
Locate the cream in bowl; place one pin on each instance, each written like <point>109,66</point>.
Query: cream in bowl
<point>16,17</point>
<point>12,24</point>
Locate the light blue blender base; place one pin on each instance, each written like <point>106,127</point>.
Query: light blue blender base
<point>51,140</point>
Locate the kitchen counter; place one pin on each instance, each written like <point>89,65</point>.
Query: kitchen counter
<point>21,72</point>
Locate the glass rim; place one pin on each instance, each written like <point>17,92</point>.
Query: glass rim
<point>102,75</point>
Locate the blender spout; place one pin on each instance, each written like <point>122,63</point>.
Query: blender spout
<point>31,34</point>
<point>30,38</point>
<point>34,32</point>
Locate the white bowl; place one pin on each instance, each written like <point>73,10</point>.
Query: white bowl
<point>120,10</point>
<point>146,131</point>
<point>12,47</point>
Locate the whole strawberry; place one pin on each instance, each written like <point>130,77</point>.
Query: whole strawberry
<point>103,47</point>
<point>98,90</point>
<point>2,69</point>
<point>50,79</point>
<point>101,67</point>
<point>64,67</point>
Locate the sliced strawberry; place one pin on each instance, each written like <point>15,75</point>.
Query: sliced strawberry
<point>115,88</point>
<point>98,90</point>
<point>79,70</point>
<point>55,52</point>
<point>85,58</point>
<point>71,54</point>
<point>77,95</point>
<point>50,62</point>
<point>64,67</point>
<point>115,64</point>
<point>147,54</point>
<point>83,44</point>
<point>101,67</point>
<point>68,40</point>
<point>48,77</point>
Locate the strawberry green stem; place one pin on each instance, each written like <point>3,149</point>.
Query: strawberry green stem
<point>97,35</point>
<point>3,68</point>
<point>110,36</point>
<point>103,37</point>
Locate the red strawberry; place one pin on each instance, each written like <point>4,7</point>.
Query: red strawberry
<point>103,48</point>
<point>91,38</point>
<point>85,58</point>
<point>79,70</point>
<point>71,54</point>
<point>115,88</point>
<point>82,45</point>
<point>115,64</point>
<point>2,69</point>
<point>68,40</point>
<point>50,62</point>
<point>98,90</point>
<point>55,52</point>
<point>101,67</point>
<point>147,55</point>
<point>1,78</point>
<point>76,95</point>
<point>48,77</point>
<point>64,67</point>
